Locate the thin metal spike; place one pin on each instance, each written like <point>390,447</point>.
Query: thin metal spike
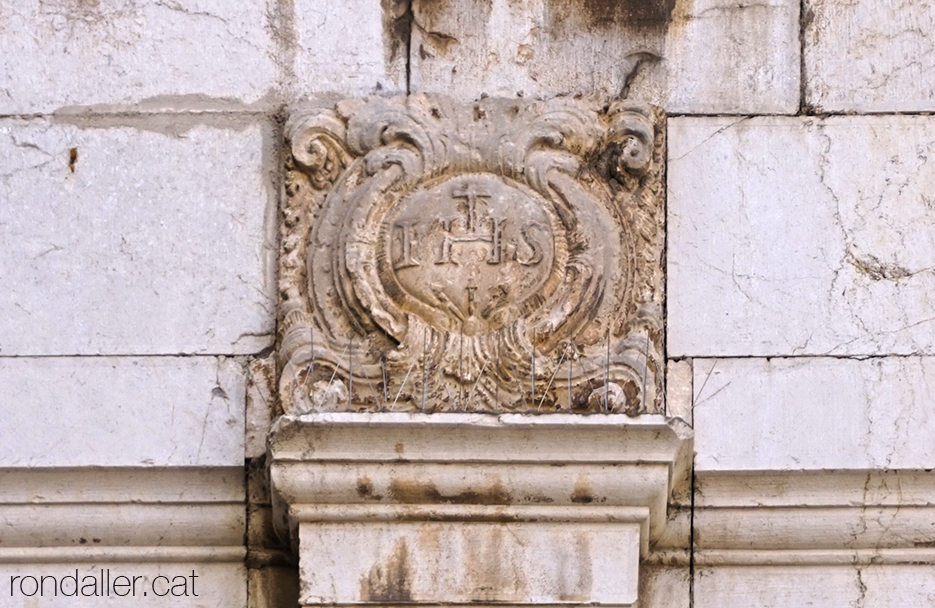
<point>532,360</point>
<point>479,376</point>
<point>519,384</point>
<point>403,385</point>
<point>350,374</point>
<point>569,381</point>
<point>386,397</point>
<point>373,391</point>
<point>344,352</point>
<point>424,368</point>
<point>461,369</point>
<point>558,366</point>
<point>497,389</point>
<point>607,374</point>
<point>585,372</point>
<point>645,359</point>
<point>311,356</point>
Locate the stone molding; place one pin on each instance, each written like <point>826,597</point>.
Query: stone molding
<point>587,495</point>
<point>772,518</point>
<point>503,255</point>
<point>72,515</point>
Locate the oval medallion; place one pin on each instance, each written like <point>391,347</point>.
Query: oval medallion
<point>471,253</point>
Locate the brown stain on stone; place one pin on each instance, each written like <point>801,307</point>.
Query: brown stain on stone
<point>365,489</point>
<point>389,580</point>
<point>612,14</point>
<point>413,491</point>
<point>600,12</point>
<point>72,159</point>
<point>582,491</point>
<point>397,28</point>
<point>577,573</point>
<point>492,571</point>
<point>632,393</point>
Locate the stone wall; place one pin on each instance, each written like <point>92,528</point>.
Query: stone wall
<point>141,160</point>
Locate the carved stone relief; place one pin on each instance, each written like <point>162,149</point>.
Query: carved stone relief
<point>504,255</point>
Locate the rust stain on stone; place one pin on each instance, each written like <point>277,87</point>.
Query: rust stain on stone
<point>577,573</point>
<point>633,399</point>
<point>413,491</point>
<point>365,489</point>
<point>492,571</point>
<point>582,491</point>
<point>389,580</point>
<point>613,14</point>
<point>72,159</point>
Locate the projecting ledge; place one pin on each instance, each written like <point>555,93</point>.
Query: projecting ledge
<point>464,508</point>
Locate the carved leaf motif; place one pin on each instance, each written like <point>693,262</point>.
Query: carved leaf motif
<point>503,255</point>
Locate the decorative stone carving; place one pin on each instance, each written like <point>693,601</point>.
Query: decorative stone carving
<point>465,509</point>
<point>501,255</point>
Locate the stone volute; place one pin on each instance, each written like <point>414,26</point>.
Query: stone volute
<point>470,352</point>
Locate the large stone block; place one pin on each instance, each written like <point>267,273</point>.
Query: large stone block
<point>150,239</point>
<point>706,56</point>
<point>512,563</point>
<point>866,56</point>
<point>353,48</point>
<point>121,411</point>
<point>161,55</point>
<point>799,236</point>
<point>814,413</point>
<point>791,586</point>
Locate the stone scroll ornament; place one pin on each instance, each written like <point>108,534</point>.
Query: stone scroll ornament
<point>503,255</point>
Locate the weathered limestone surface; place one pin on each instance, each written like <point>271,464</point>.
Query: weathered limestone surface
<point>352,48</point>
<point>800,236</point>
<point>470,508</point>
<point>665,587</point>
<point>216,585</point>
<point>160,55</point>
<point>814,413</point>
<point>867,56</point>
<point>146,239</point>
<point>705,56</point>
<point>679,396</point>
<point>466,562</point>
<point>502,255</point>
<point>789,586</point>
<point>155,513</point>
<point>121,411</point>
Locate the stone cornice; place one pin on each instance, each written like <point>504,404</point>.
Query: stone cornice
<point>375,480</point>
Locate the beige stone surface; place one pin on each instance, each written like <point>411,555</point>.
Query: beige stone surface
<point>121,411</point>
<point>821,587</point>
<point>469,562</point>
<point>665,587</point>
<point>867,56</point>
<point>679,395</point>
<point>353,47</point>
<point>467,508</point>
<point>125,513</point>
<point>150,238</point>
<point>814,413</point>
<point>261,406</point>
<point>161,55</point>
<point>706,56</point>
<point>801,236</point>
